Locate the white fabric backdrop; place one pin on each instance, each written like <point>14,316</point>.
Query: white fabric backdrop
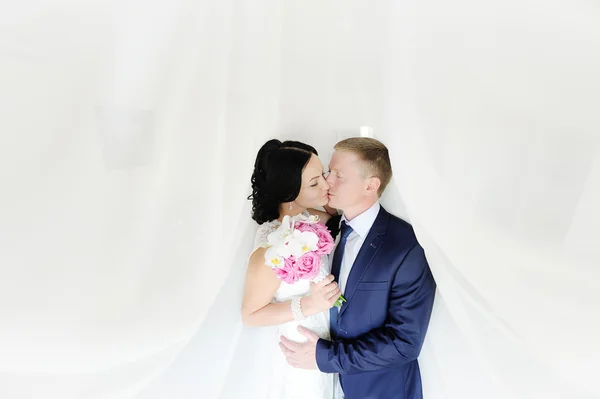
<point>128,135</point>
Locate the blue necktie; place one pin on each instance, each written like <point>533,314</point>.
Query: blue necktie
<point>335,270</point>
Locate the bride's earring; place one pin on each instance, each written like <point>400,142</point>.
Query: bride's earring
<point>290,208</point>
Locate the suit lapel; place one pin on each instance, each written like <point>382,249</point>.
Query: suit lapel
<point>367,252</point>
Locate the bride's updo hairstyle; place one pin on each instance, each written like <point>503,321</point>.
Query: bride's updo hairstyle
<point>277,177</point>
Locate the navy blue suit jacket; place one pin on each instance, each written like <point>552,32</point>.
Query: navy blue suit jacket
<point>378,334</point>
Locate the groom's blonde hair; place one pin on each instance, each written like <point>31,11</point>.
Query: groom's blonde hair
<point>374,155</point>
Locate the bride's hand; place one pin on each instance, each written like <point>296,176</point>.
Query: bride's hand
<point>322,296</point>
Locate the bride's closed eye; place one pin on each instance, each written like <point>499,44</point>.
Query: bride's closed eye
<point>316,181</point>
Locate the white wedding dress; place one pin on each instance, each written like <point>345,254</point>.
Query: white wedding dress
<point>287,382</point>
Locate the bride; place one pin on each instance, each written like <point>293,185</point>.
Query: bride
<point>287,181</point>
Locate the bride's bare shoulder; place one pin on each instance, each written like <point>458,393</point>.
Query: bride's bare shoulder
<point>257,257</point>
<point>258,272</point>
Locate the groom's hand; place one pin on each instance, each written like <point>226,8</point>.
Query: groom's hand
<point>303,356</point>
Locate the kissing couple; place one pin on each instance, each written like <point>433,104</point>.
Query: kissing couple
<point>368,346</point>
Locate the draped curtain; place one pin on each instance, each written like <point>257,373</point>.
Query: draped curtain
<point>128,135</point>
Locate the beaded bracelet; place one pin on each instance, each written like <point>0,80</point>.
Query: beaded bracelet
<point>297,309</point>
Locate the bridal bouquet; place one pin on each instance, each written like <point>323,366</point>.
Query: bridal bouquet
<point>296,247</point>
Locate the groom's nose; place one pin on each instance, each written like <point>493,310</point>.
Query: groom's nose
<point>328,180</point>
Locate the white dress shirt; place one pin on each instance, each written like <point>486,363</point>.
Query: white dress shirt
<point>361,225</point>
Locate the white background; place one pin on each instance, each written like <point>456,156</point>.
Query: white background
<point>128,131</point>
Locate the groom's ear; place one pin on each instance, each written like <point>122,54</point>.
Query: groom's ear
<point>373,186</point>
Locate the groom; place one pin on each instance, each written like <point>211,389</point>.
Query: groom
<point>382,271</point>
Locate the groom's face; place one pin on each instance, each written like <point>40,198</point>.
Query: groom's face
<point>347,184</point>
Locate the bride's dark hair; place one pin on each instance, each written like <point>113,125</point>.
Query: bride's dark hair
<point>277,176</point>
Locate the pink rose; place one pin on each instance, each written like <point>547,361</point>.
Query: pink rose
<point>325,243</point>
<point>301,226</point>
<point>288,273</point>
<point>320,226</point>
<point>308,265</point>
